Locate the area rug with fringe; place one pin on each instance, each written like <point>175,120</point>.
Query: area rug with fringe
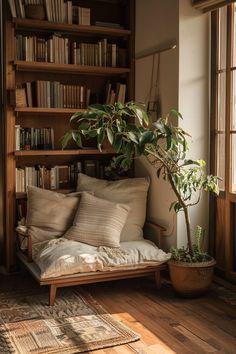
<point>75,324</point>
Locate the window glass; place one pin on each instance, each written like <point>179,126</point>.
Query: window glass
<point>221,109</point>
<point>233,120</point>
<point>222,38</point>
<point>220,159</point>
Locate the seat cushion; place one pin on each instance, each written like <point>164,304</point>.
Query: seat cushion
<point>131,191</point>
<point>98,222</point>
<point>50,214</point>
<point>65,257</point>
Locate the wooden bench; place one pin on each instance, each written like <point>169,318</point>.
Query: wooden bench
<point>152,231</point>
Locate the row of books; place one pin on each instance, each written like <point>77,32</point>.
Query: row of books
<point>56,177</point>
<point>60,50</point>
<point>53,94</point>
<point>54,10</point>
<point>34,138</point>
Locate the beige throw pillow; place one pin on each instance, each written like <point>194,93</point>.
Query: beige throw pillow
<point>50,214</point>
<point>131,191</point>
<point>98,222</point>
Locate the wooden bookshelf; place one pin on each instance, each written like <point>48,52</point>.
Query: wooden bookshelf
<point>83,152</point>
<point>43,110</point>
<point>67,28</point>
<point>94,78</point>
<point>68,68</point>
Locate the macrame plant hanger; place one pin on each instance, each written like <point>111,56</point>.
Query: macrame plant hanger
<point>152,100</point>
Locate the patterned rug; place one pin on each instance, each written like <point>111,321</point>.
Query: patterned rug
<point>75,324</point>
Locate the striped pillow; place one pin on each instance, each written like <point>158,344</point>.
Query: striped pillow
<point>98,222</point>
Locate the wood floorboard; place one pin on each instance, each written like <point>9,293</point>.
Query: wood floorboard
<point>167,324</point>
<point>189,318</point>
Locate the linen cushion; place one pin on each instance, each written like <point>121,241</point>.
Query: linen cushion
<point>64,257</point>
<point>50,214</point>
<point>98,222</point>
<point>132,192</point>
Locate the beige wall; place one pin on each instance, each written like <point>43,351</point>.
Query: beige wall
<point>183,85</point>
<point>157,25</point>
<point>194,94</point>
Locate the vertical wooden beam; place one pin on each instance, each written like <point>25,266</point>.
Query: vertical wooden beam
<point>9,146</point>
<point>213,118</point>
<point>228,160</point>
<point>131,51</point>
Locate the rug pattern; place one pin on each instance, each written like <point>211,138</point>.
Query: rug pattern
<point>75,324</point>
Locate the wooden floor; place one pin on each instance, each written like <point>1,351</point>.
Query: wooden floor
<point>168,324</point>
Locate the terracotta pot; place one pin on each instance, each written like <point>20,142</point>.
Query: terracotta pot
<point>191,279</point>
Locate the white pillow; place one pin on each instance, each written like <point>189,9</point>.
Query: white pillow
<point>49,214</point>
<point>131,191</point>
<point>98,222</point>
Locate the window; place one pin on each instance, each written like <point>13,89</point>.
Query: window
<point>223,136</point>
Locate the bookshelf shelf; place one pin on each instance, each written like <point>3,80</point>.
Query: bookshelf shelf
<point>41,110</point>
<point>21,65</point>
<point>67,28</point>
<point>82,152</point>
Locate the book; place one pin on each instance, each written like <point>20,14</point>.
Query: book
<point>12,6</point>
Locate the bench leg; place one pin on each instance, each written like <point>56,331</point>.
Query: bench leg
<point>158,279</point>
<point>52,294</point>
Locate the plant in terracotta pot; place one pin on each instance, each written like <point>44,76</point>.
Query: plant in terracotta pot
<point>166,147</point>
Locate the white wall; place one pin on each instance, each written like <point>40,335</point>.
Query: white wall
<point>194,30</point>
<point>157,25</point>
<point>183,85</point>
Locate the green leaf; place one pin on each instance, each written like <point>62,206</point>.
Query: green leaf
<point>140,149</point>
<point>77,138</point>
<point>100,137</point>
<point>110,135</point>
<point>133,137</point>
<point>84,125</point>
<point>176,113</point>
<point>76,115</point>
<point>92,133</point>
<point>129,149</point>
<point>132,127</point>
<point>159,126</point>
<point>117,143</point>
<point>66,138</point>
<point>141,115</point>
<point>146,137</point>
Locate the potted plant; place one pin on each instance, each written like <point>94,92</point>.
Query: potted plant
<point>166,147</point>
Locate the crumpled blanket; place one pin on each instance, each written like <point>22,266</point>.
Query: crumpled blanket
<point>63,257</point>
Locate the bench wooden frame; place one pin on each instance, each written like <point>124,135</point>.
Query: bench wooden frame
<point>152,232</point>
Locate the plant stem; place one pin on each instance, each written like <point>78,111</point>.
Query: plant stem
<point>179,197</point>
